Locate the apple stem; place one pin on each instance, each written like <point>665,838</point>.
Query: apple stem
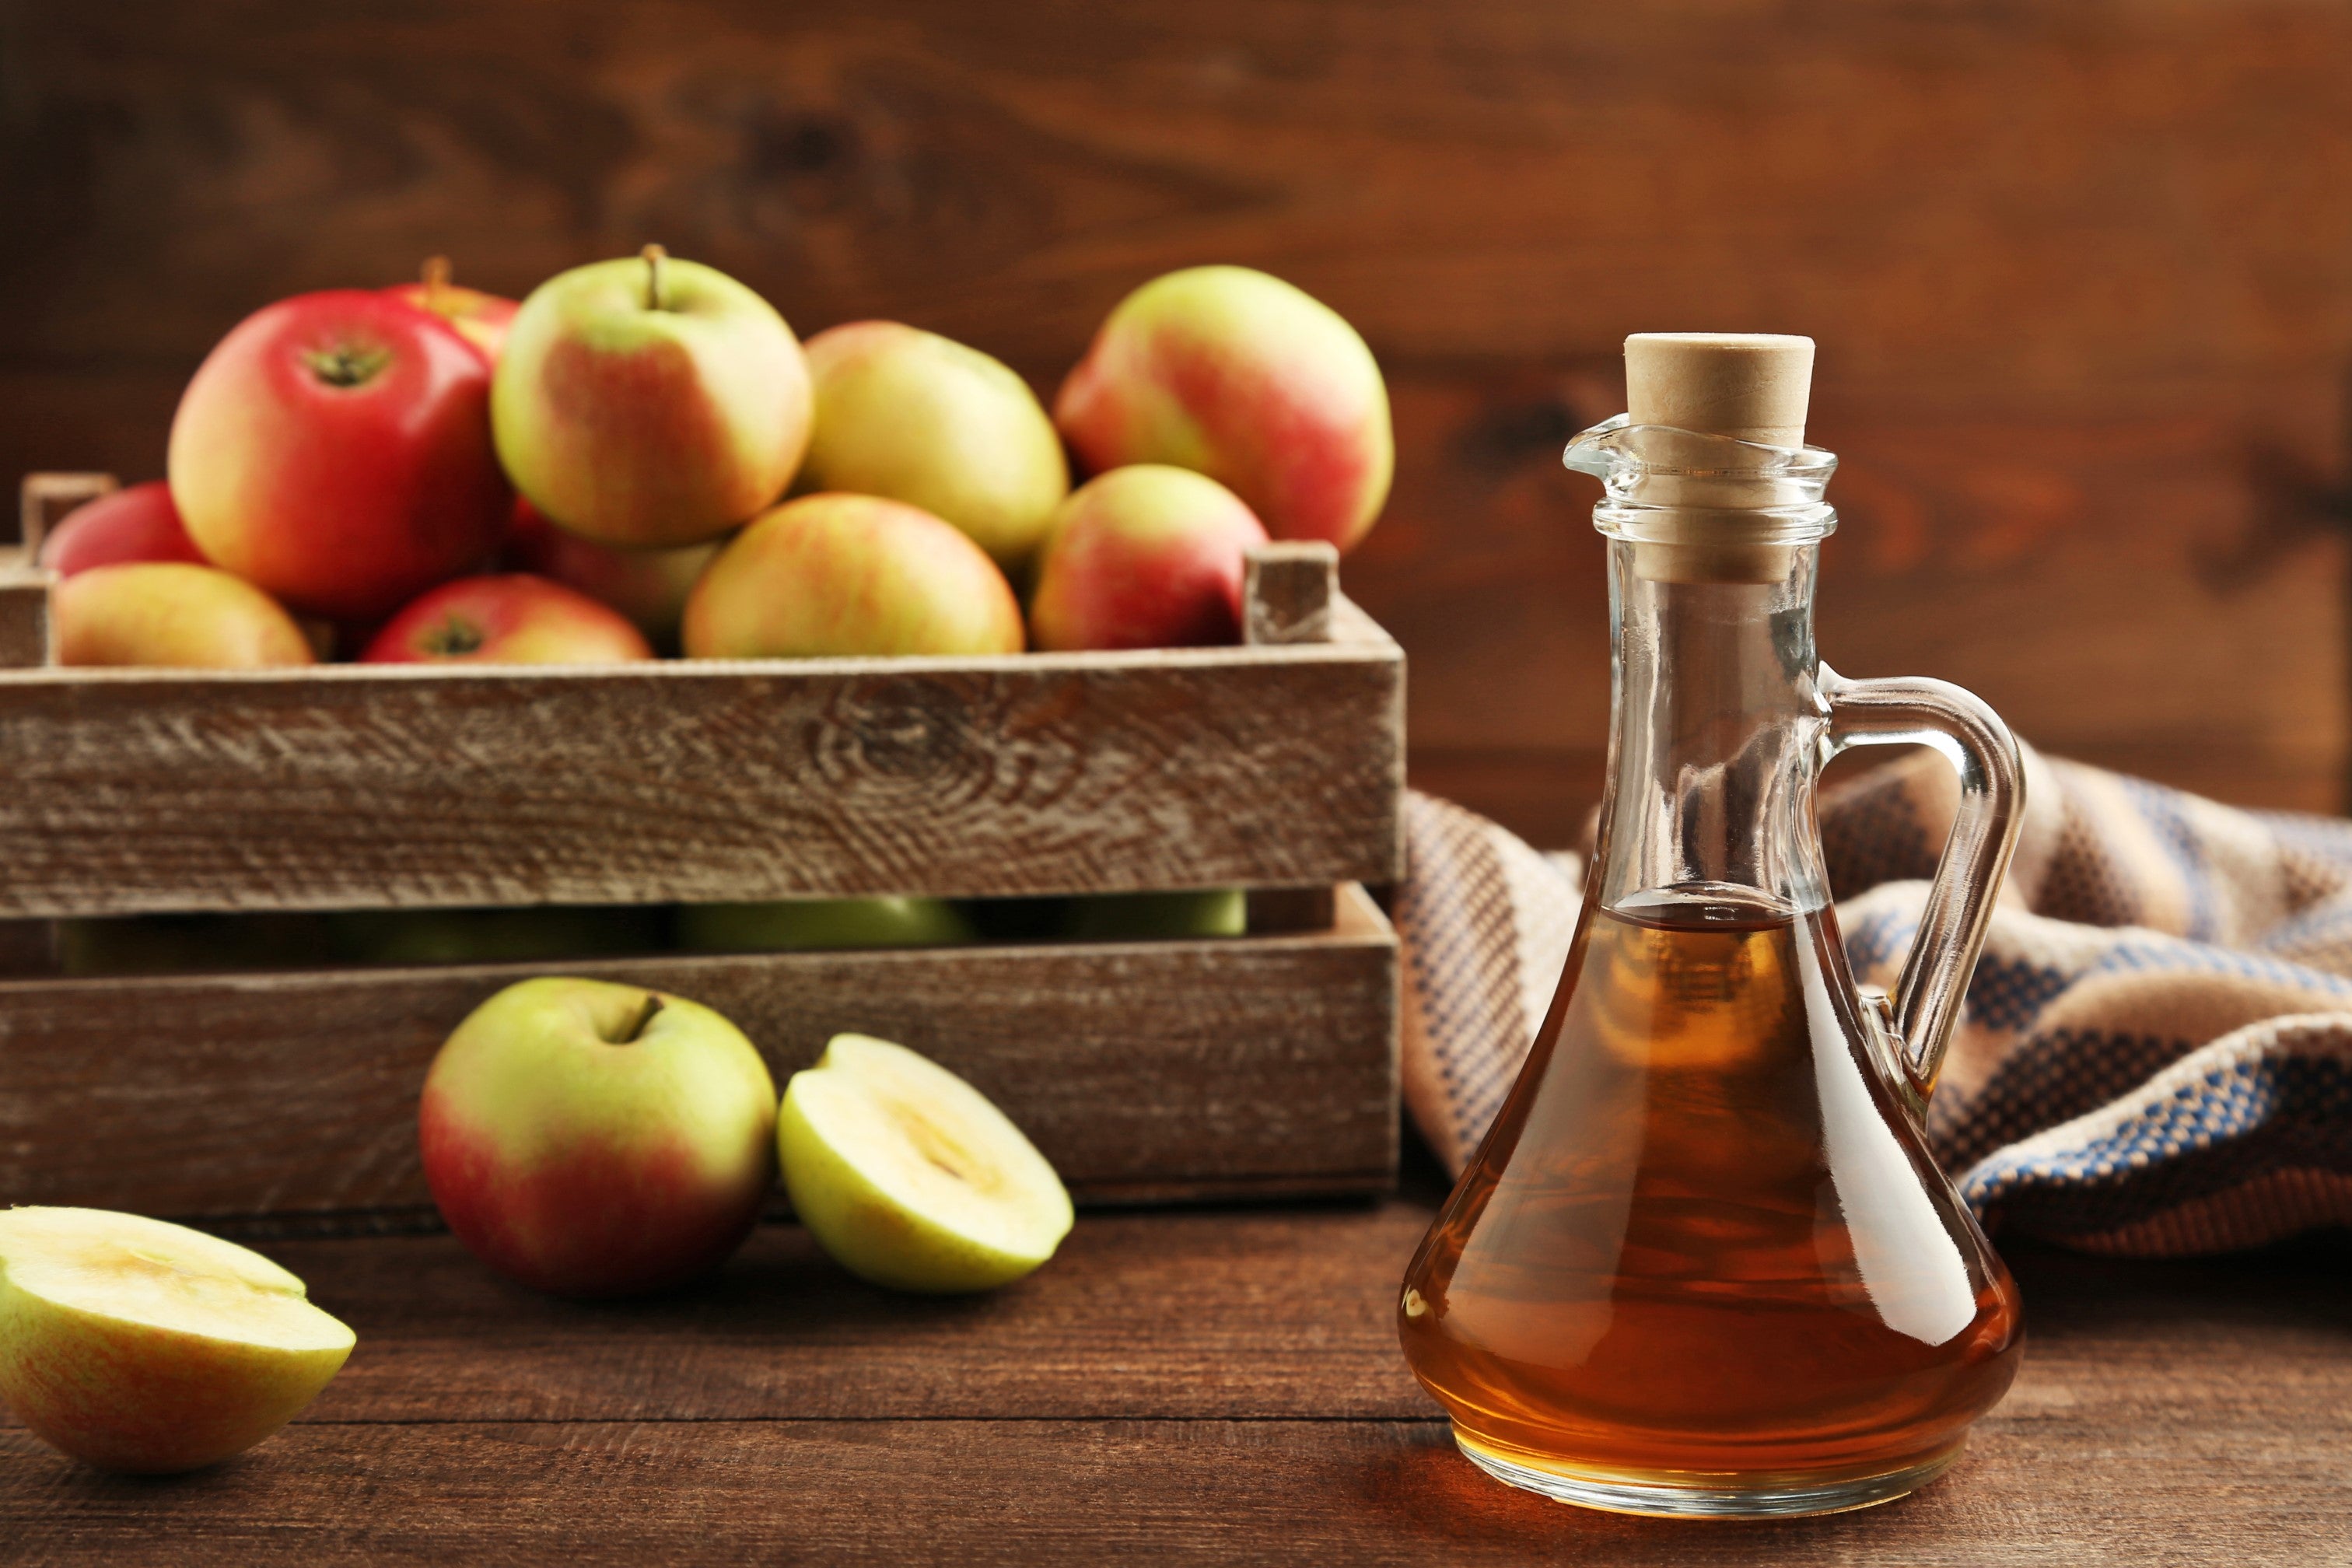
<point>655,255</point>
<point>636,1030</point>
<point>436,278</point>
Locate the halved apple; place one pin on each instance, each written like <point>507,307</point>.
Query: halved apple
<point>910,1177</point>
<point>141,1346</point>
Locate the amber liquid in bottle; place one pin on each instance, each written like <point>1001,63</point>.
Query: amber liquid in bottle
<point>1704,1244</point>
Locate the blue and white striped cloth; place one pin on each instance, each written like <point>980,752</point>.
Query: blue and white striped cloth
<point>2157,1055</point>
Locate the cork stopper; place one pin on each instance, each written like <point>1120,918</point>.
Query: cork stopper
<point>1751,386</point>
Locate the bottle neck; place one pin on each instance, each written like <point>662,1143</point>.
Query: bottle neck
<point>1717,732</point>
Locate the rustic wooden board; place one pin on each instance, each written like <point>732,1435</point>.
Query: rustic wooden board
<point>701,781</point>
<point>2112,582</point>
<point>1146,1072</point>
<point>1199,1387</point>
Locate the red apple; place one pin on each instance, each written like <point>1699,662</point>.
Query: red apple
<point>850,574</point>
<point>596,1139</point>
<point>335,450</point>
<point>136,524</point>
<point>480,318</point>
<point>650,401</point>
<point>510,618</point>
<point>649,587</point>
<point>1145,556</point>
<point>1248,380</point>
<point>169,613</point>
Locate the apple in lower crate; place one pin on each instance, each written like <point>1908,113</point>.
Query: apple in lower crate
<point>920,418</point>
<point>193,943</point>
<point>850,574</point>
<point>149,1348</point>
<point>650,402</point>
<point>647,586</point>
<point>335,450</point>
<point>592,1139</point>
<point>909,1177</point>
<point>480,318</point>
<point>1249,380</point>
<point>139,523</point>
<point>170,613</point>
<point>494,935</point>
<point>508,618</point>
<point>786,924</point>
<point>1148,556</point>
<point>1115,917</point>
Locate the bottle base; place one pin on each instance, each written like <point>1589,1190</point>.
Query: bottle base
<point>1699,1494</point>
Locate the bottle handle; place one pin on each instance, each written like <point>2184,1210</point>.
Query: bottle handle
<point>1972,738</point>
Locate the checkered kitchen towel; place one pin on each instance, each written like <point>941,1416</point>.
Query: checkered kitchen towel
<point>2156,1054</point>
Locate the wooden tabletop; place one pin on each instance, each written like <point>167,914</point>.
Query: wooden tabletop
<point>1193,1386</point>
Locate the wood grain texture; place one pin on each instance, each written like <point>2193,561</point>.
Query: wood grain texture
<point>2117,587</point>
<point>371,786</point>
<point>1146,1072</point>
<point>1288,590</point>
<point>43,500</point>
<point>2057,364</point>
<point>28,636</point>
<point>1208,1387</point>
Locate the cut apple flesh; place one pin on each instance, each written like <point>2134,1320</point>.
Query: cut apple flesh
<point>144,1271</point>
<point>910,1177</point>
<point>139,1345</point>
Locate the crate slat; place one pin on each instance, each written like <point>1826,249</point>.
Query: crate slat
<point>690,781</point>
<point>1144,1070</point>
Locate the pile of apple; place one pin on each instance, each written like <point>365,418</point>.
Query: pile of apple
<point>641,455</point>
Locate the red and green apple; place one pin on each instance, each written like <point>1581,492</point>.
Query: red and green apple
<point>148,1348</point>
<point>506,618</point>
<point>850,574</point>
<point>170,613</point>
<point>138,523</point>
<point>920,418</point>
<point>1248,380</point>
<point>593,1138</point>
<point>1144,557</point>
<point>650,402</point>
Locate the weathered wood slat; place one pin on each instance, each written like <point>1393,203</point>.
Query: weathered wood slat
<point>28,635</point>
<point>363,786</point>
<point>1287,593</point>
<point>701,781</point>
<point>1144,1070</point>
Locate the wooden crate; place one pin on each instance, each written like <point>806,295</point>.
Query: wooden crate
<point>1257,1065</point>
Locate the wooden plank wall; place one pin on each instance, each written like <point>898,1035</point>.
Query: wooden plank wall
<point>2082,277</point>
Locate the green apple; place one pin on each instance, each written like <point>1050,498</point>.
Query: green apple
<point>920,418</point>
<point>910,1177</point>
<point>494,935</point>
<point>598,1140</point>
<point>1112,917</point>
<point>789,923</point>
<point>144,1347</point>
<point>649,402</point>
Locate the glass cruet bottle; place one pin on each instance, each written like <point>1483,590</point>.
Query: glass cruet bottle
<point>1703,1263</point>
